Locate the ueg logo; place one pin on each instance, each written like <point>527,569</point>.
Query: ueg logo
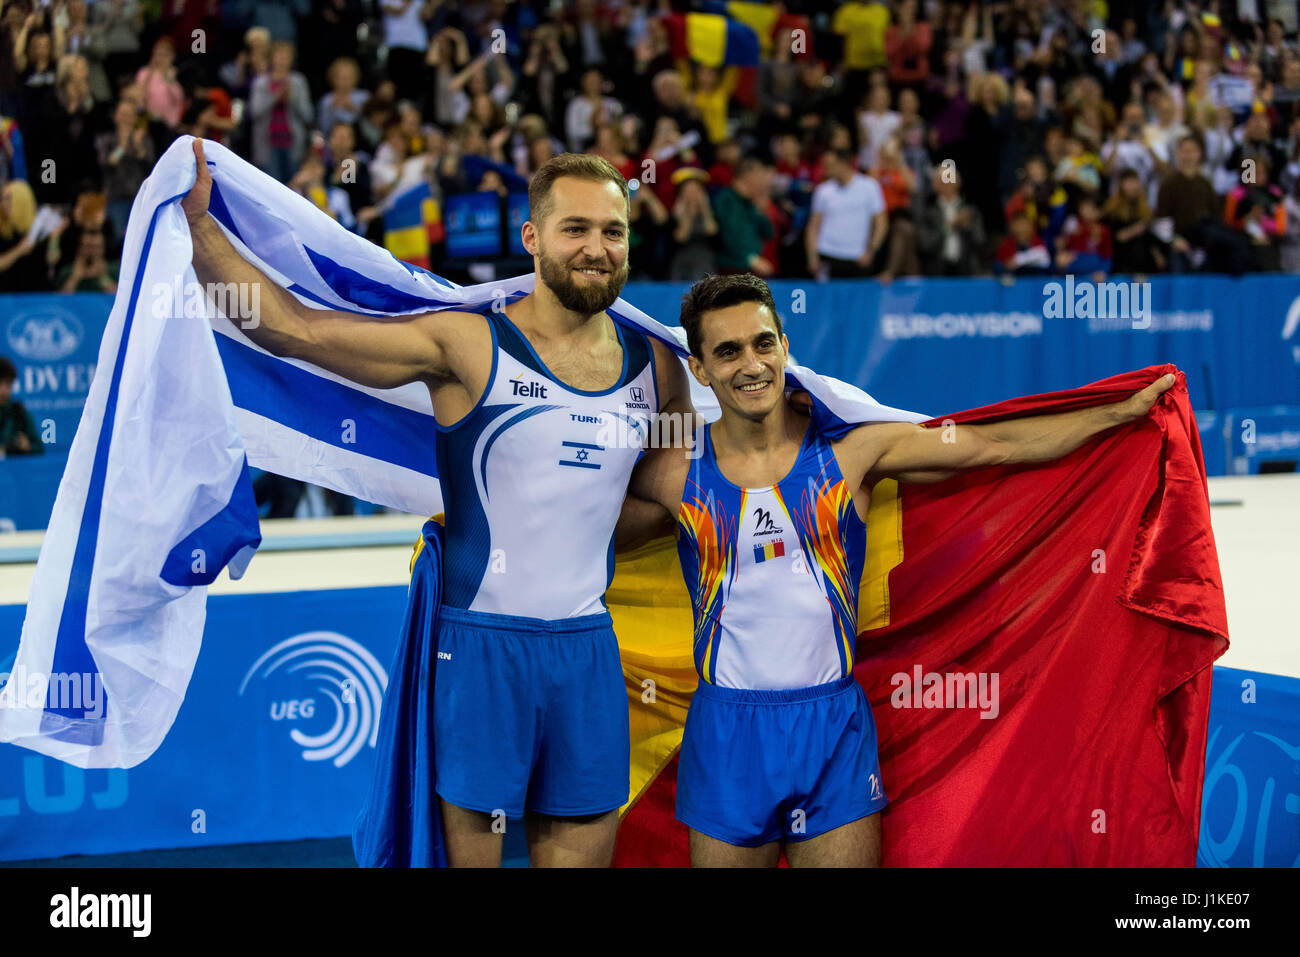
<point>324,664</point>
<point>102,910</point>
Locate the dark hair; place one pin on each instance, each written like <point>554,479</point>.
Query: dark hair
<point>579,165</point>
<point>719,292</point>
<point>746,166</point>
<point>1200,147</point>
<point>1262,162</point>
<point>8,372</point>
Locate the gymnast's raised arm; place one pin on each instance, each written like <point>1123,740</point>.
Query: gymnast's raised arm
<point>382,352</point>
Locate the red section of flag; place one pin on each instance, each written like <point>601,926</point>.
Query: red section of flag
<point>675,25</point>
<point>649,834</point>
<point>1091,587</point>
<point>778,548</point>
<point>746,90</point>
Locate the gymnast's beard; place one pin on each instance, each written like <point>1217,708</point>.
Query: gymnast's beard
<point>582,296</point>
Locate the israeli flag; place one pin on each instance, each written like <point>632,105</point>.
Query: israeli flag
<point>156,498</point>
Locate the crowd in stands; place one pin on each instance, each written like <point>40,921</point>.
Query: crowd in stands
<point>872,139</point>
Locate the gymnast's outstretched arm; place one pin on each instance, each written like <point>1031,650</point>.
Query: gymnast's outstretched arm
<point>382,352</point>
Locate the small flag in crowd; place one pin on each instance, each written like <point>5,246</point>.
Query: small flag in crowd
<point>413,224</point>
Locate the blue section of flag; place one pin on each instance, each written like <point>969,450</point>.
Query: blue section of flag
<point>406,210</point>
<point>742,45</point>
<point>337,414</point>
<point>213,544</point>
<point>400,824</point>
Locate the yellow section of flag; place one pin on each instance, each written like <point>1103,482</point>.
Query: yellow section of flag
<point>654,623</point>
<point>760,17</point>
<point>409,243</point>
<point>884,554</point>
<point>706,38</point>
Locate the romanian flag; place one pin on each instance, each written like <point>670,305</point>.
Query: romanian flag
<point>1087,588</point>
<point>759,17</point>
<point>771,550</point>
<point>764,18</point>
<point>11,135</point>
<point>413,224</point>
<point>712,39</point>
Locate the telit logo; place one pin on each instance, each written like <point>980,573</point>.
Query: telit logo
<point>529,390</point>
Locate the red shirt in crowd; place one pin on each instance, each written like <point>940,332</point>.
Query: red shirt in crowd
<point>1094,239</point>
<point>894,186</point>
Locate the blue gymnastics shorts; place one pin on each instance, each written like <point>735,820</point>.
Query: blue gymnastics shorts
<point>761,766</point>
<point>530,714</point>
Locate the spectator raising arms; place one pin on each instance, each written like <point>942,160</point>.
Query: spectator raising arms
<point>126,155</point>
<point>695,229</point>
<point>163,96</point>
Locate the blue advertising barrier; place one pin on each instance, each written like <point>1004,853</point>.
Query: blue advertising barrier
<point>264,749</point>
<point>1262,437</point>
<point>929,345</point>
<point>28,484</point>
<point>1213,444</point>
<point>54,342</point>
<point>1250,805</point>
